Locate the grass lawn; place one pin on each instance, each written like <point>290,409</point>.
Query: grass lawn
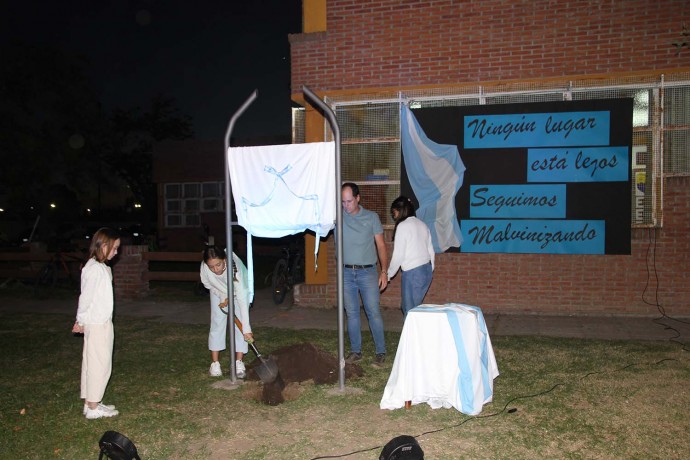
<point>574,399</point>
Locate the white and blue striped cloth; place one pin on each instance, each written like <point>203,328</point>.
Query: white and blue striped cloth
<point>444,359</point>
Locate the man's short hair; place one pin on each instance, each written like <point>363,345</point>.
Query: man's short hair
<point>353,187</point>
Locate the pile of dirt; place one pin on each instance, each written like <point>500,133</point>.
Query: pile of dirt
<point>299,364</point>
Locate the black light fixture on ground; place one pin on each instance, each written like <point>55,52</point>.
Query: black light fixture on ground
<point>116,446</point>
<point>403,447</point>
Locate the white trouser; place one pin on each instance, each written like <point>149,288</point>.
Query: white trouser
<point>97,360</point>
<point>219,326</point>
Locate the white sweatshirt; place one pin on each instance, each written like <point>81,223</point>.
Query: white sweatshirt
<point>412,246</point>
<point>218,285</point>
<point>96,299</point>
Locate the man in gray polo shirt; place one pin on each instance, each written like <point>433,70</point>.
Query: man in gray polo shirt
<point>363,244</point>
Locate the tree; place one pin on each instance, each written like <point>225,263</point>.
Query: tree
<point>134,133</point>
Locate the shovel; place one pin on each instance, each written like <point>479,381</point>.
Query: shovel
<point>268,369</point>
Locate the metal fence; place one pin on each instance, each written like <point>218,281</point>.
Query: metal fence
<point>370,130</point>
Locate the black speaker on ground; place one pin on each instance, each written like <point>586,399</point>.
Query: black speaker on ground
<point>117,446</point>
<point>402,448</point>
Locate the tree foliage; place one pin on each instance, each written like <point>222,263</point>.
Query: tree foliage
<point>134,132</point>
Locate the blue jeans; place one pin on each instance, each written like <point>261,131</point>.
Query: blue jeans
<point>364,282</point>
<point>415,284</point>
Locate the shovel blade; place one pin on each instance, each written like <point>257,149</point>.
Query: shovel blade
<point>267,370</point>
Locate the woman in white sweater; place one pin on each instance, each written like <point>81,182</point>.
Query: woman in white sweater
<point>95,321</point>
<point>413,252</point>
<point>214,278</point>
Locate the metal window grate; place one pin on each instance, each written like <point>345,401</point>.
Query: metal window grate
<point>298,125</point>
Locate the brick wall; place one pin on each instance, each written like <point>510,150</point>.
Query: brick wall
<point>390,44</point>
<point>560,284</point>
<point>129,273</point>
<point>394,43</point>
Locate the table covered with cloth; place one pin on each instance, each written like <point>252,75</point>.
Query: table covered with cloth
<point>444,359</point>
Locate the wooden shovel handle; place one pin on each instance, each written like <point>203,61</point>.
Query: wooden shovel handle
<point>239,325</point>
<point>249,341</point>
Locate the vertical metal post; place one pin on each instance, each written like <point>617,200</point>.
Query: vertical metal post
<point>330,116</point>
<point>228,236</point>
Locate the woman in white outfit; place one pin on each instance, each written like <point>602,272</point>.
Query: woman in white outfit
<point>413,252</point>
<point>214,278</point>
<point>94,320</point>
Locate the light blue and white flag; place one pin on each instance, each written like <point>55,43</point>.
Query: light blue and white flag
<point>435,172</point>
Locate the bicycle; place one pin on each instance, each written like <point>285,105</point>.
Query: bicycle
<point>60,267</point>
<point>288,271</point>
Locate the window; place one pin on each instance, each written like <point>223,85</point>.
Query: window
<point>185,202</point>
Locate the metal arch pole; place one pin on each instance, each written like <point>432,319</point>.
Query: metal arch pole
<point>328,113</point>
<point>228,236</point>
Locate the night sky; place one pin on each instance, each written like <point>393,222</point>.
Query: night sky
<point>208,55</point>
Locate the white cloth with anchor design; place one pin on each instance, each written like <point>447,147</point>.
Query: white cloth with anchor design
<point>281,190</point>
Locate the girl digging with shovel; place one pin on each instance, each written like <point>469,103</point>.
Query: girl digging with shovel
<point>214,279</point>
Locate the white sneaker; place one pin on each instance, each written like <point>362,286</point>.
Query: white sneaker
<point>107,406</point>
<point>100,411</point>
<point>240,369</point>
<point>215,370</point>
